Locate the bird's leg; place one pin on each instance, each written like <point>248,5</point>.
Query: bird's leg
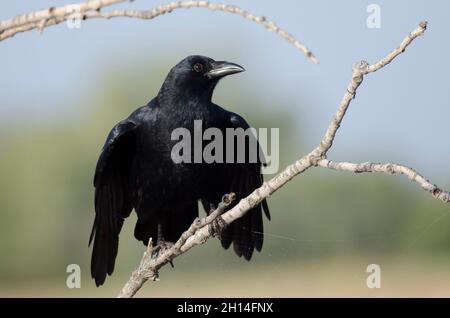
<point>160,237</point>
<point>161,243</point>
<point>216,226</point>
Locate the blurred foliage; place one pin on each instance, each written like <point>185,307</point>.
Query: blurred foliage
<point>46,195</point>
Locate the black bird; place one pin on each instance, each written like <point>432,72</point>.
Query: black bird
<point>136,171</point>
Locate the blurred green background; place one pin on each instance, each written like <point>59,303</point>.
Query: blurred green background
<point>327,226</point>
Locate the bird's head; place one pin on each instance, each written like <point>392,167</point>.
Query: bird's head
<point>198,75</point>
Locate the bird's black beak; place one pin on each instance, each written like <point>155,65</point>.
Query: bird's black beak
<point>220,69</point>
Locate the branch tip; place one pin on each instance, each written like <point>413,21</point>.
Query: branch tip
<point>423,24</point>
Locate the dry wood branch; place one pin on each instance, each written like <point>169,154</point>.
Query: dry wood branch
<point>53,13</point>
<point>317,156</point>
<point>91,10</point>
<point>150,263</point>
<point>389,168</point>
<point>360,69</point>
<point>202,229</point>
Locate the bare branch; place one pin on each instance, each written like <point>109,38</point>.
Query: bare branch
<point>199,234</point>
<point>389,168</point>
<point>359,70</point>
<point>406,41</point>
<point>91,10</point>
<point>150,263</point>
<point>43,16</point>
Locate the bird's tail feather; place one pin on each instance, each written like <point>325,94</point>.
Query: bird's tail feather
<point>105,235</point>
<point>246,233</point>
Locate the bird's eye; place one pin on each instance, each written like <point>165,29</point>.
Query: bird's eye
<point>198,67</point>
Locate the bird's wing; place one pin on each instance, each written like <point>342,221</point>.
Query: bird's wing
<point>113,201</point>
<point>246,233</point>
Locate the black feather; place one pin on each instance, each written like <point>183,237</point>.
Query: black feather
<point>136,170</point>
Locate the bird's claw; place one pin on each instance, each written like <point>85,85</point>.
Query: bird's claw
<point>216,226</point>
<point>161,247</point>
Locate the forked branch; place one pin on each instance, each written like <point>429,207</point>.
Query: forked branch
<point>317,157</point>
<point>92,10</point>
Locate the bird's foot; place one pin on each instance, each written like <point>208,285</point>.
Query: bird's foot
<point>216,226</point>
<point>161,247</point>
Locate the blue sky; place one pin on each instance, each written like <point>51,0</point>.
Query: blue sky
<point>400,114</point>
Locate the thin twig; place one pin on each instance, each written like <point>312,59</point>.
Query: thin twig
<point>389,168</point>
<point>91,10</point>
<point>359,71</point>
<point>54,12</point>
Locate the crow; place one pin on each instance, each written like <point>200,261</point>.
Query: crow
<point>136,169</point>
